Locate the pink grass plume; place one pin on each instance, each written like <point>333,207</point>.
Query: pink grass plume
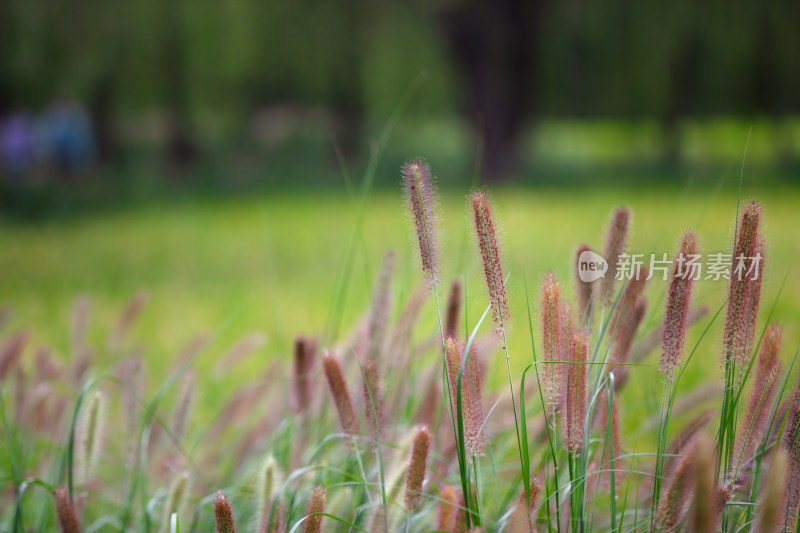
<point>576,395</point>
<point>552,340</point>
<point>416,468</point>
<point>490,255</point>
<point>67,518</point>
<point>616,242</point>
<point>341,396</point>
<point>316,505</point>
<point>421,203</point>
<point>739,300</point>
<point>677,312</point>
<point>223,514</point>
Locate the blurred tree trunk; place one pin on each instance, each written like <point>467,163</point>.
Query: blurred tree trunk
<point>7,92</point>
<point>182,148</point>
<point>684,71</point>
<point>346,93</point>
<point>495,48</point>
<point>101,109</point>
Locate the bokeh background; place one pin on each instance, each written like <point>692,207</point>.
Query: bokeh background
<point>216,154</point>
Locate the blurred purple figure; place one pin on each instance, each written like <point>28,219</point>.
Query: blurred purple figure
<point>68,136</point>
<point>17,143</point>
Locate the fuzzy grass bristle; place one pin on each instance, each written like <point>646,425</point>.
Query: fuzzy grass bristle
<point>677,312</point>
<point>341,396</point>
<point>454,303</point>
<point>316,506</point>
<point>223,514</point>
<point>416,468</point>
<point>576,395</point>
<point>552,339</point>
<point>448,501</point>
<point>740,303</point>
<point>65,512</point>
<point>421,202</point>
<point>616,242</point>
<point>490,255</point>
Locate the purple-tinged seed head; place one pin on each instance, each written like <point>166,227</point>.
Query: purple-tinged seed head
<point>316,505</point>
<point>471,391</point>
<point>615,245</point>
<point>552,340</point>
<point>461,516</point>
<point>304,355</point>
<point>748,230</point>
<point>373,400</point>
<point>67,518</point>
<point>674,503</point>
<point>223,514</point>
<point>707,498</point>
<point>576,395</point>
<point>452,352</point>
<point>521,519</point>
<point>768,371</point>
<point>677,312</point>
<point>568,327</point>
<point>771,345</point>
<point>745,334</point>
<point>627,302</point>
<point>378,319</point>
<point>740,303</point>
<point>421,203</point>
<point>341,396</point>
<point>476,437</point>
<point>448,500</point>
<point>490,254</point>
<point>627,332</point>
<point>773,494</point>
<point>454,302</point>
<point>416,468</point>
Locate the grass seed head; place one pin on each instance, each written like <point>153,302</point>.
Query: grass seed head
<point>707,498</point>
<point>373,400</point>
<point>223,514</point>
<point>341,396</point>
<point>490,254</point>
<point>675,502</point>
<point>381,308</point>
<point>552,339</point>
<point>421,203</point>
<point>316,505</point>
<point>448,501</point>
<point>616,242</point>
<point>454,302</point>
<point>304,355</point>
<point>741,309</point>
<point>416,468</point>
<point>268,479</point>
<point>89,437</point>
<point>178,493</point>
<point>772,495</point>
<point>576,397</point>
<point>677,312</point>
<point>67,518</point>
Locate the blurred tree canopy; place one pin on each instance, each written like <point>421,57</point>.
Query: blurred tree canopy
<point>208,66</point>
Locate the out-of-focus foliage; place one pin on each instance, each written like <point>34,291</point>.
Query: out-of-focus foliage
<point>616,58</point>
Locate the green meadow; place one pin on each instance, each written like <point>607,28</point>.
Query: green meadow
<point>275,263</point>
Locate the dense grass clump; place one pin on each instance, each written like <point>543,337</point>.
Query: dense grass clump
<point>395,426</point>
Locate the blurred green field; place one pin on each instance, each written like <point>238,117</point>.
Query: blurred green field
<point>269,264</point>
